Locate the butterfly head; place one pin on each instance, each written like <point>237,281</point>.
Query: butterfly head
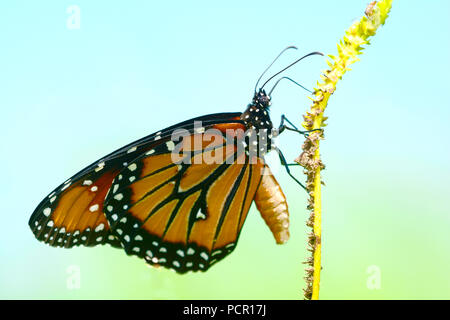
<point>261,99</point>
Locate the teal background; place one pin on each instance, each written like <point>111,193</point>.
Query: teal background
<point>68,97</point>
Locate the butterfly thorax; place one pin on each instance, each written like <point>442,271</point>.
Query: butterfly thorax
<point>258,123</point>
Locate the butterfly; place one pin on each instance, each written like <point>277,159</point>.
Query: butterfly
<point>177,198</point>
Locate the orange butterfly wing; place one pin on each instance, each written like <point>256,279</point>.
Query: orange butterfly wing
<point>73,214</point>
<point>184,215</point>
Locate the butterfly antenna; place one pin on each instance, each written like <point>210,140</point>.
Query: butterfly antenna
<point>287,78</point>
<point>287,48</point>
<point>296,61</point>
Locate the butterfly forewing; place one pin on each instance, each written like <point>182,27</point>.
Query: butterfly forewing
<point>73,213</point>
<point>183,206</point>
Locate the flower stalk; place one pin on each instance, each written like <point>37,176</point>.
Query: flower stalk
<point>348,50</point>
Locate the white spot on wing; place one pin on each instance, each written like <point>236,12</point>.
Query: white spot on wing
<point>204,255</point>
<point>100,166</point>
<point>200,215</point>
<point>65,187</point>
<point>47,211</point>
<point>180,253</point>
<point>170,145</point>
<point>131,149</point>
<point>100,227</point>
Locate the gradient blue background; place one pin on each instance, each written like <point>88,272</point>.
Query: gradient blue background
<point>68,97</point>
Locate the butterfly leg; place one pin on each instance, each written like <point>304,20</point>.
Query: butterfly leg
<point>287,165</point>
<point>283,127</point>
<point>283,161</point>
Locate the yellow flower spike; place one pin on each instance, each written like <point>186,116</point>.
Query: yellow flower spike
<point>348,50</point>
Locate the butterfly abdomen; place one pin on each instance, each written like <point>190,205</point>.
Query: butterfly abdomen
<point>271,203</point>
